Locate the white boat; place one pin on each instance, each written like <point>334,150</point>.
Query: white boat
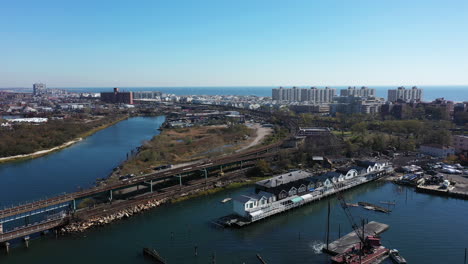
<point>225,200</point>
<point>396,257</point>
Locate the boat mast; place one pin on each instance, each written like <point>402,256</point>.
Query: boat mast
<point>328,223</point>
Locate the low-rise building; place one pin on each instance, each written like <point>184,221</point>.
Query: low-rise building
<point>460,143</point>
<point>437,150</point>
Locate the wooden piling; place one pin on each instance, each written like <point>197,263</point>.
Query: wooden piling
<point>26,241</point>
<point>7,247</point>
<point>261,259</point>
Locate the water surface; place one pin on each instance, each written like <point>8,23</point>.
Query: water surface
<point>77,166</point>
<point>426,229</point>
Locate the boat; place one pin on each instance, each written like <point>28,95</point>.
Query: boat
<point>373,252</point>
<point>352,204</point>
<point>374,207</point>
<point>396,257</point>
<point>225,200</point>
<point>154,255</point>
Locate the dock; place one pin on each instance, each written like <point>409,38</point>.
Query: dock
<point>290,203</point>
<point>458,191</point>
<point>344,243</point>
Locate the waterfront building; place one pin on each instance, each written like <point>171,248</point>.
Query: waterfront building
<point>117,97</point>
<point>351,172</point>
<point>406,95</point>
<point>437,150</point>
<point>460,143</point>
<point>289,190</point>
<point>362,92</point>
<point>244,204</point>
<point>39,89</point>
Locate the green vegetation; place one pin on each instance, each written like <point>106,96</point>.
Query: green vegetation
<point>28,138</point>
<point>279,133</point>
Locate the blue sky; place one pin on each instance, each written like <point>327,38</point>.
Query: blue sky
<point>233,43</point>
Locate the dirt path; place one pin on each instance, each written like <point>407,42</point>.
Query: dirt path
<point>261,133</point>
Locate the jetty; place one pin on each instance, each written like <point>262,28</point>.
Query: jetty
<point>346,242</point>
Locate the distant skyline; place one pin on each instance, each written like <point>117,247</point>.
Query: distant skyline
<point>233,43</point>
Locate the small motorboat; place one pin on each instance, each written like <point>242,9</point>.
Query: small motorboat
<point>225,200</point>
<point>352,204</point>
<point>154,255</point>
<point>396,257</point>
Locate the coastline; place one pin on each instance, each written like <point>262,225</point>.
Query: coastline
<point>44,152</point>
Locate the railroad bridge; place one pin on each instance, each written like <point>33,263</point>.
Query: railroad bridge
<point>19,222</point>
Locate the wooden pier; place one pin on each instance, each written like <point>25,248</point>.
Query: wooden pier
<point>344,243</point>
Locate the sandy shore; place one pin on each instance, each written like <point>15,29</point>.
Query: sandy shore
<point>40,152</point>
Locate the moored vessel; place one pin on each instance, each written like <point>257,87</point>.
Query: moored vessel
<point>396,257</point>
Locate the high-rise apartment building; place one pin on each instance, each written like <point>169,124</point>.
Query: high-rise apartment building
<point>312,95</point>
<point>362,92</point>
<point>407,95</point>
<point>39,88</point>
<point>117,97</point>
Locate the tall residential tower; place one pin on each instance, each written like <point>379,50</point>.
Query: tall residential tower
<point>407,95</point>
<point>39,88</point>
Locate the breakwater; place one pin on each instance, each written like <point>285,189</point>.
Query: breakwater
<point>81,226</point>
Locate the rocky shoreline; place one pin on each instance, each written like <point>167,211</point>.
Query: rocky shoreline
<point>81,226</point>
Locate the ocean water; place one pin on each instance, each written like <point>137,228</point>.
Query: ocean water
<point>454,93</point>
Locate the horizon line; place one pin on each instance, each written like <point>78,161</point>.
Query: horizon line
<point>238,86</point>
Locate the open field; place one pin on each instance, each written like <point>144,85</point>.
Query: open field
<point>182,145</point>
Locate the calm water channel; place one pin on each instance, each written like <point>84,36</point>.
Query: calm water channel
<point>425,228</point>
<point>77,166</point>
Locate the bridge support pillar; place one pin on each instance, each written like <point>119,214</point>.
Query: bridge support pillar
<point>74,205</point>
<point>7,247</point>
<point>110,195</point>
<point>26,241</point>
<point>151,186</point>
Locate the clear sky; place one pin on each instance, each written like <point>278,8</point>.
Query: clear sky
<point>231,43</point>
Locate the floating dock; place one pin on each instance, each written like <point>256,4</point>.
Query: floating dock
<point>344,243</point>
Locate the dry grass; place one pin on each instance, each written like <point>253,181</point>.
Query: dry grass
<point>181,145</point>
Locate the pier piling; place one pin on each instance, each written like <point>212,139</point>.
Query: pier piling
<point>7,247</point>
<point>26,241</point>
